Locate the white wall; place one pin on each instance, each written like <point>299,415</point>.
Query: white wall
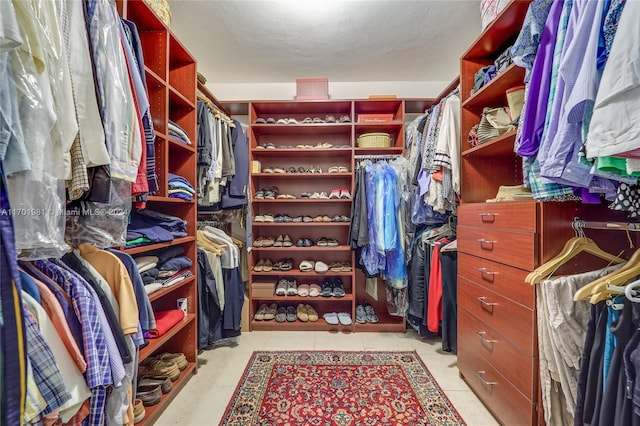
<point>337,90</point>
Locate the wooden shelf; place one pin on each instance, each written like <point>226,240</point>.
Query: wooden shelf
<point>305,249</point>
<point>302,129</point>
<point>167,290</point>
<point>298,153</point>
<point>303,224</point>
<point>153,412</point>
<point>302,175</point>
<point>494,93</point>
<point>379,151</point>
<point>154,198</point>
<point>499,31</point>
<point>142,249</point>
<point>281,109</point>
<point>154,344</point>
<point>153,79</point>
<point>320,325</point>
<point>302,200</point>
<point>298,273</point>
<point>501,146</point>
<point>387,323</point>
<point>304,299</point>
<point>175,143</point>
<point>390,127</point>
<point>177,99</point>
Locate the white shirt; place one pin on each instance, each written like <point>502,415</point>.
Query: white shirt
<point>614,126</point>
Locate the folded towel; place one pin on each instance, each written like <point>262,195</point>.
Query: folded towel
<point>165,320</point>
<point>144,263</point>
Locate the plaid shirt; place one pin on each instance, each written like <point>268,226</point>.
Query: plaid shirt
<point>94,336</point>
<point>43,364</point>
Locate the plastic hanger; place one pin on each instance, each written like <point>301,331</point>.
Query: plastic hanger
<point>632,291</point>
<point>572,248</point>
<point>618,277</point>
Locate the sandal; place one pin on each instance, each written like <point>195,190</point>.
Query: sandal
<point>281,314</point>
<point>311,313</point>
<point>287,241</point>
<point>259,267</point>
<point>301,312</point>
<point>335,267</point>
<point>279,241</point>
<point>270,312</point>
<point>259,316</point>
<point>268,266</point>
<point>291,314</point>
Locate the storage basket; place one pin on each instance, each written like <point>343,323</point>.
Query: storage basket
<point>374,140</point>
<point>162,9</point>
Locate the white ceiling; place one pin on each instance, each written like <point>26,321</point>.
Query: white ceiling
<point>248,42</point>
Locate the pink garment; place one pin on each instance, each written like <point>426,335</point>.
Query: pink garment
<point>434,303</point>
<point>54,312</point>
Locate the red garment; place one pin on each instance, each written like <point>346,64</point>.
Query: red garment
<point>434,303</point>
<point>165,320</point>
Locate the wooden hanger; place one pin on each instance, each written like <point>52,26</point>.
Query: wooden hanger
<point>618,277</point>
<point>572,248</point>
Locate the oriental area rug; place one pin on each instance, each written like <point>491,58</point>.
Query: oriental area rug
<point>338,388</point>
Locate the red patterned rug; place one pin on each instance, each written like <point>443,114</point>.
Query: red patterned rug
<point>299,388</point>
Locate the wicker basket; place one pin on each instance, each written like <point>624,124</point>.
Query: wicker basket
<point>374,140</point>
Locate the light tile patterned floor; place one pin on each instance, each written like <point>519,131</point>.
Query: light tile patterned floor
<point>204,399</point>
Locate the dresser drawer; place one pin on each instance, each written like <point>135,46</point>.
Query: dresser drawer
<point>513,321</point>
<point>507,403</point>
<point>517,216</point>
<point>500,278</point>
<point>512,248</point>
<point>512,363</point>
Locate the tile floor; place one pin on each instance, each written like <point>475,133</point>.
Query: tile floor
<point>205,397</point>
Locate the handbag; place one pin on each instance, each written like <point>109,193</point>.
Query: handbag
<point>493,123</point>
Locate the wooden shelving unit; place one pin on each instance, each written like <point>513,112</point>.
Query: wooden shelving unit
<point>343,137</point>
<point>171,85</point>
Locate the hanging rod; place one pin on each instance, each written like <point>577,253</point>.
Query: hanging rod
<point>375,156</point>
<point>614,226</point>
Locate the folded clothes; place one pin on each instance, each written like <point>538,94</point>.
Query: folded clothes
<point>165,320</point>
<point>144,263</point>
<point>175,280</point>
<point>177,178</point>
<point>140,241</point>
<point>150,276</point>
<point>175,264</point>
<point>182,196</point>
<point>179,132</point>
<point>155,231</point>
<point>166,253</point>
<point>182,185</point>
<point>175,225</point>
<point>152,288</point>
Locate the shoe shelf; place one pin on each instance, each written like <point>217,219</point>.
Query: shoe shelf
<point>155,344</point>
<point>278,146</point>
<point>153,412</point>
<point>320,325</point>
<point>502,146</point>
<point>303,249</point>
<point>302,275</point>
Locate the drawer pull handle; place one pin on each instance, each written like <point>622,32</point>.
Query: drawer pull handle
<point>484,381</point>
<point>483,300</point>
<point>485,241</point>
<point>484,271</point>
<point>481,335</point>
<point>487,217</point>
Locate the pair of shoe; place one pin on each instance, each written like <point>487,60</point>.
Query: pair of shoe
<point>286,313</point>
<point>269,120</point>
<point>263,265</point>
<point>267,145</point>
<point>283,241</point>
<point>283,265</point>
<point>327,242</point>
<point>340,266</point>
<point>272,170</point>
<point>306,313</point>
<point>282,218</point>
<point>333,288</point>
<point>286,287</point>
<point>304,242</point>
<point>315,195</point>
<point>365,313</point>
<point>322,218</point>
<point>311,290</point>
<point>165,365</point>
<point>266,312</point>
<point>338,169</point>
<point>264,242</point>
<point>310,265</point>
<point>340,193</point>
<point>335,318</point>
<point>267,193</point>
<point>305,219</point>
<point>340,218</point>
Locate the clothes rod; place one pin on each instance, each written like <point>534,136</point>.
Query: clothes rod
<point>375,156</point>
<point>615,226</point>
